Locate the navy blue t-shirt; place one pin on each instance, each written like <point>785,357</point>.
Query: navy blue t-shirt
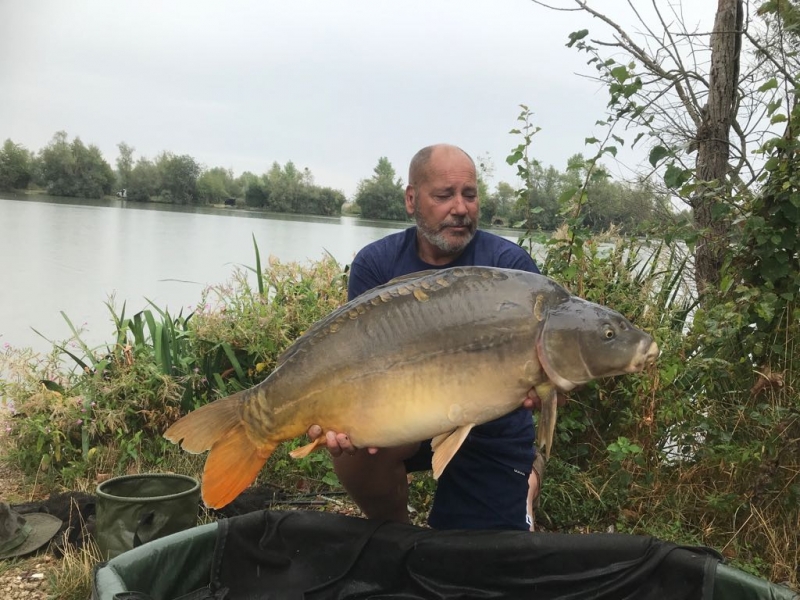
<point>485,485</point>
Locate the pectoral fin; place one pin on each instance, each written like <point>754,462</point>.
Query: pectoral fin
<point>445,447</point>
<point>304,451</point>
<point>547,419</point>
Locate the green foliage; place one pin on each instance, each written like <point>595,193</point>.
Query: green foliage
<point>16,166</point>
<point>216,185</point>
<point>256,193</point>
<point>73,169</point>
<point>764,272</point>
<point>178,178</point>
<point>287,189</point>
<point>144,182</point>
<point>259,324</point>
<point>382,196</point>
<point>317,200</point>
<point>124,165</point>
<point>584,192</point>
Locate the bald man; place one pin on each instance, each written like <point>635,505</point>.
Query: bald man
<point>490,482</point>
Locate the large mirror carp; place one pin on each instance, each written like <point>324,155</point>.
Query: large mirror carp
<point>426,356</point>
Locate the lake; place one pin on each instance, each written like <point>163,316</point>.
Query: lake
<point>73,255</point>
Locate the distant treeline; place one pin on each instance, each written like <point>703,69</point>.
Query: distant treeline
<point>71,168</point>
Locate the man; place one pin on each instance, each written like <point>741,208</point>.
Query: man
<point>489,484</point>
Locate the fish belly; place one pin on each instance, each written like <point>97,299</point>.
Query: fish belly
<point>418,400</point>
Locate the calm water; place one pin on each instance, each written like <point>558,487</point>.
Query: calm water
<point>74,255</point>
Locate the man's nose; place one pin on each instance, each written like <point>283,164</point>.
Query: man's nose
<point>459,206</point>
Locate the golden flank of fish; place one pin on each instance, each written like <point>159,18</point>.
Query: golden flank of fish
<point>425,356</point>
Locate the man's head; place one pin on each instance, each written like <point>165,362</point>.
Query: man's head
<point>442,195</point>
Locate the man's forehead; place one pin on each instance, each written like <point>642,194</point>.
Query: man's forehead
<point>452,166</point>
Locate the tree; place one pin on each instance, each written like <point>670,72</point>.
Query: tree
<point>713,107</point>
<point>16,166</point>
<point>94,177</point>
<point>178,178</point>
<point>285,186</point>
<point>317,200</point>
<point>124,164</point>
<point>504,197</point>
<point>144,183</point>
<point>72,169</point>
<point>256,190</point>
<point>58,166</point>
<point>663,89</point>
<point>381,196</point>
<point>216,185</point>
<point>713,143</point>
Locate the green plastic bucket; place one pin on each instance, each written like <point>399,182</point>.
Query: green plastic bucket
<point>135,509</point>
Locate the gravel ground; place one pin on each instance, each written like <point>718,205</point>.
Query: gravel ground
<point>27,577</point>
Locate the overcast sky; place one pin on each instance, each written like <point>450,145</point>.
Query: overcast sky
<point>329,84</point>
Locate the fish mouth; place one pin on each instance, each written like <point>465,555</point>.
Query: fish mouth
<point>644,359</point>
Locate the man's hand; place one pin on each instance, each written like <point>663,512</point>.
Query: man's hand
<point>337,443</point>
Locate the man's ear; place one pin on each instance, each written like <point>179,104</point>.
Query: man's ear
<point>410,197</point>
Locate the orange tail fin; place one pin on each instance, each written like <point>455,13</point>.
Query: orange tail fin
<point>234,460</point>
<point>201,428</point>
<point>231,466</point>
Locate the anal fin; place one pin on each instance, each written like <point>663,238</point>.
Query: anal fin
<point>446,445</point>
<point>232,465</point>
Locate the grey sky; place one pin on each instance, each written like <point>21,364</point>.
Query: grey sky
<point>332,85</point>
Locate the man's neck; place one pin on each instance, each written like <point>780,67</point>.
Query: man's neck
<point>433,255</point>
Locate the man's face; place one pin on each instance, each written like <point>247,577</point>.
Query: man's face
<point>445,203</point>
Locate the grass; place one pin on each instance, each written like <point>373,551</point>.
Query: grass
<point>72,577</point>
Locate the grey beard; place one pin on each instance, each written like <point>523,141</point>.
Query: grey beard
<point>439,240</point>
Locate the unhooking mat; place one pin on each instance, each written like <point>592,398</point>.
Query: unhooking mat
<point>310,555</point>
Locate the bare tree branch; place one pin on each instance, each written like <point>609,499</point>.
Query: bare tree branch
<point>630,46</point>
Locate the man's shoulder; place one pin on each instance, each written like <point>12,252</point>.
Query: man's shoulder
<point>387,246</point>
<point>498,251</point>
<point>379,261</point>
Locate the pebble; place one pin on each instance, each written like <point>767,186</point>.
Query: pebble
<point>23,583</point>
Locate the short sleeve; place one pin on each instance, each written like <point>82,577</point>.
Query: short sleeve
<point>363,276</point>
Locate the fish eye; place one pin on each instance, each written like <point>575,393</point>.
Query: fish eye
<point>609,333</point>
